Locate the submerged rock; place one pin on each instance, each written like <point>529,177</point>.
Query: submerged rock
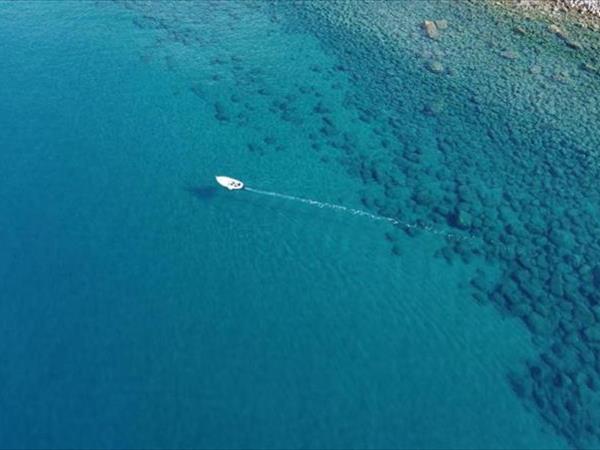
<point>441,24</point>
<point>538,324</point>
<point>461,219</point>
<point>220,113</point>
<point>535,69</point>
<point>434,108</point>
<point>435,67</point>
<point>509,54</point>
<point>522,386</point>
<point>481,283</point>
<point>431,29</point>
<point>555,29</point>
<point>592,333</point>
<point>590,68</point>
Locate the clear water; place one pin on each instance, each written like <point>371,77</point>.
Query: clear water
<point>141,306</point>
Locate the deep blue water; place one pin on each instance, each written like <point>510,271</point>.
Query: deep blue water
<point>141,306</point>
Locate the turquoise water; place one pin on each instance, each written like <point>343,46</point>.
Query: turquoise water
<point>374,288</point>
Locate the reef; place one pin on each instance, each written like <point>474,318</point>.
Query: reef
<point>521,182</point>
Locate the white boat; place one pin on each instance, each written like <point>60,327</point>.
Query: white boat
<point>229,183</point>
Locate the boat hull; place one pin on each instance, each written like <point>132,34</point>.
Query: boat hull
<point>229,183</point>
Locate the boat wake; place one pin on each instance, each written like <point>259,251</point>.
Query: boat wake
<point>360,212</point>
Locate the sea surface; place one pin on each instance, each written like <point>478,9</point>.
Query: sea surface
<point>415,264</point>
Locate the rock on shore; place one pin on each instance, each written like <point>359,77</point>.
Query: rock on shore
<point>591,6</point>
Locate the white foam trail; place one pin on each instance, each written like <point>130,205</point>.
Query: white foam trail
<point>360,212</point>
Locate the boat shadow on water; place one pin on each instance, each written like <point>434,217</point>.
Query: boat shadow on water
<point>204,193</point>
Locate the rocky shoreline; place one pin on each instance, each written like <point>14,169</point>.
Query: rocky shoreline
<point>584,12</point>
<point>589,6</point>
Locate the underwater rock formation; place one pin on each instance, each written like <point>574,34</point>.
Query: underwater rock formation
<point>533,223</point>
<point>431,29</point>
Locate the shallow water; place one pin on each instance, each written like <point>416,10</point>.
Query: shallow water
<point>144,307</point>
